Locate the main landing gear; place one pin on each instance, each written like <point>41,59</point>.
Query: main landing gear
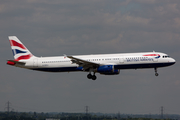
<point>156,74</point>
<point>90,76</point>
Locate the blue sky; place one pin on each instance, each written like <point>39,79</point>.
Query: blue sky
<point>54,28</point>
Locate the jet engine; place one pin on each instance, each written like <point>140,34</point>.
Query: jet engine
<point>108,70</point>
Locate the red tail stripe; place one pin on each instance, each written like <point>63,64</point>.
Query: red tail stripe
<point>24,57</point>
<point>14,43</point>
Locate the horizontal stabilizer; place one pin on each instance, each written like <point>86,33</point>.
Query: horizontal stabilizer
<point>13,62</point>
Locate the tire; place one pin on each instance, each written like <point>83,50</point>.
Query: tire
<point>156,74</point>
<point>89,76</point>
<point>94,77</point>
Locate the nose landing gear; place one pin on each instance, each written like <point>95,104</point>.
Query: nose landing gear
<point>156,74</point>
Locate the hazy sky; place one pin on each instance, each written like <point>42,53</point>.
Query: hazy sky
<point>75,27</point>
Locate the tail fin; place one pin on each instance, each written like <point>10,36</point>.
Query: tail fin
<point>20,52</point>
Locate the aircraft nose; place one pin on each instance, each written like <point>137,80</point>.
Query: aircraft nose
<point>173,61</point>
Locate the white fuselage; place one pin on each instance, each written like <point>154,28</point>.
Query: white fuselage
<point>119,61</point>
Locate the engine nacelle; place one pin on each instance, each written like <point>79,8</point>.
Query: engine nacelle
<point>108,70</point>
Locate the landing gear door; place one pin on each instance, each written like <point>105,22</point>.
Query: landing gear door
<point>35,62</point>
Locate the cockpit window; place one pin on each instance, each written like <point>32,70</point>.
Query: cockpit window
<point>166,56</point>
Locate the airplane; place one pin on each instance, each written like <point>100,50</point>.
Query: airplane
<point>106,64</point>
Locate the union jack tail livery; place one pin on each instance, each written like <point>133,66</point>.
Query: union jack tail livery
<point>20,52</point>
<point>105,64</point>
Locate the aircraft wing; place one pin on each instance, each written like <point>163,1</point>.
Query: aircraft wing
<point>84,63</point>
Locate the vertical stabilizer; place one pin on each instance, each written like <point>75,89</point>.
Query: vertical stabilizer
<point>20,52</point>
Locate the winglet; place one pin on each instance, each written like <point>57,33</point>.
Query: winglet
<point>65,56</point>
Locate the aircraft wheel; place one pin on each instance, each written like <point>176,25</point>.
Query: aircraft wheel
<point>156,74</point>
<point>89,76</point>
<point>94,77</point>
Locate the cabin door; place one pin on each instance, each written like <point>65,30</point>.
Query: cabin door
<point>35,62</point>
<point>121,60</point>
